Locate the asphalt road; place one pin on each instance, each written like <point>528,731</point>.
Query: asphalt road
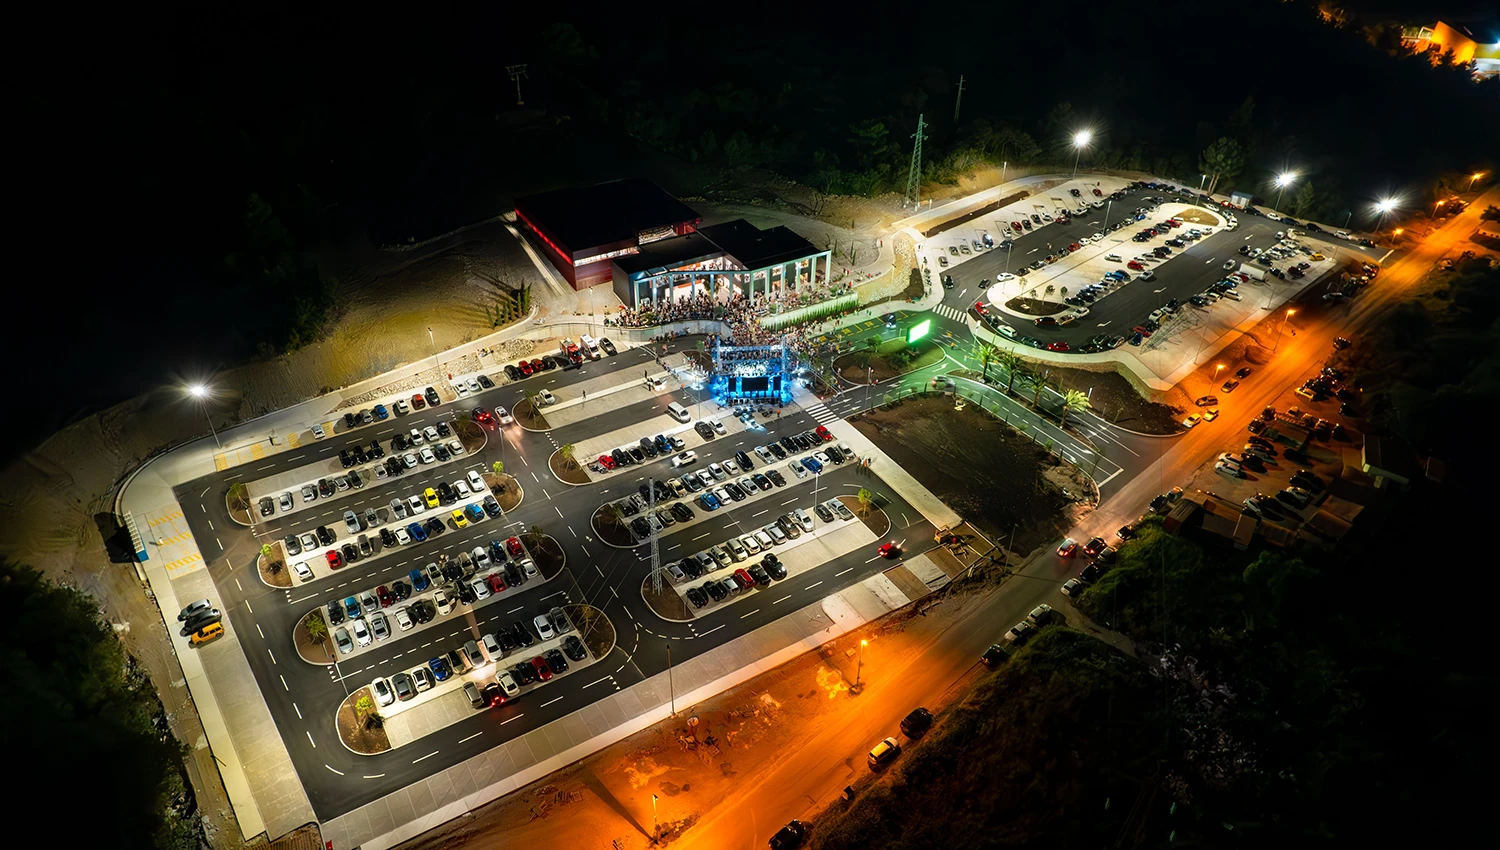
<point>302,696</point>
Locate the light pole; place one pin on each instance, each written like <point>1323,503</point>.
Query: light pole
<point>1383,207</point>
<point>1080,141</point>
<point>655,830</point>
<point>1107,207</point>
<point>859,667</point>
<point>1282,327</point>
<point>1201,179</point>
<point>1218,367</point>
<point>432,339</point>
<point>672,695</point>
<point>1472,177</point>
<point>1282,181</point>
<point>200,392</point>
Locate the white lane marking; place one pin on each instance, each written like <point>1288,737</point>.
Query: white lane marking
<point>549,702</point>
<point>311,741</point>
<point>428,756</point>
<point>782,599</point>
<point>471,737</point>
<point>517,717</point>
<point>850,570</point>
<point>813,585</point>
<point>756,611</point>
<point>339,772</point>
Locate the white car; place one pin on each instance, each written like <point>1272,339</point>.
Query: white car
<point>443,601</point>
<point>480,587</point>
<point>491,647</point>
<point>1147,274</point>
<point>341,637</point>
<point>303,573</point>
<point>1072,587</point>
<point>402,536</point>
<point>751,544</point>
<point>481,558</point>
<point>764,454</point>
<point>286,501</point>
<point>1004,276</point>
<point>686,458</point>
<point>476,481</point>
<point>416,437</point>
<point>503,416</point>
<point>403,619</point>
<point>461,488</point>
<point>804,519</point>
<point>507,683</point>
<point>546,397</point>
<point>415,505</point>
<point>410,460</point>
<point>717,426</point>
<point>431,434</point>
<point>361,631</point>
<point>456,447</point>
<point>474,385</point>
<point>402,408</point>
<point>428,457</point>
<point>655,383</point>
<point>378,625</point>
<point>382,690</point>
<point>318,432</point>
<point>543,627</point>
<point>1191,420</point>
<point>731,467</point>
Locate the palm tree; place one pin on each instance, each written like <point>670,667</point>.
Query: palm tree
<point>866,499</point>
<point>1012,363</point>
<point>1041,383</point>
<point>1073,400</point>
<point>987,354</point>
<point>316,628</point>
<point>566,453</point>
<point>239,496</point>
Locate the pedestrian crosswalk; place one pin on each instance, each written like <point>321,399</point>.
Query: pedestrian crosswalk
<point>821,414</point>
<point>953,313</point>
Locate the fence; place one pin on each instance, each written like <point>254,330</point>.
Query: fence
<point>811,312</point>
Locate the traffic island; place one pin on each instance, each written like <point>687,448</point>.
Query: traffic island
<point>567,469</point>
<point>890,359</point>
<point>873,516</point>
<point>548,553</point>
<point>596,630</point>
<point>237,502</point>
<point>528,417</point>
<point>1035,306</point>
<point>507,489</point>
<point>311,637</point>
<point>272,565</point>
<point>610,526</point>
<point>361,728</point>
<point>474,436</point>
<point>667,604</point>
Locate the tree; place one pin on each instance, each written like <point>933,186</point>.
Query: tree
<point>987,354</point>
<point>871,141</point>
<point>317,629</point>
<point>1012,363</point>
<point>566,453</point>
<point>1222,160</point>
<point>1073,400</point>
<point>498,467</point>
<point>533,536</point>
<point>265,550</point>
<point>1039,384</point>
<point>239,496</point>
<point>363,706</point>
<point>866,500</point>
<point>1304,201</point>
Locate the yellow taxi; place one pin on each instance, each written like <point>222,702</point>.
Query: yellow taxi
<point>459,520</point>
<point>430,497</point>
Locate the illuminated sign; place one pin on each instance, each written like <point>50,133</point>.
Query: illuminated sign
<point>608,256</point>
<point>918,331</point>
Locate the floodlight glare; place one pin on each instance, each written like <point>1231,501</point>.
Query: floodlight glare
<point>1081,139</point>
<point>918,331</point>
<point>197,391</point>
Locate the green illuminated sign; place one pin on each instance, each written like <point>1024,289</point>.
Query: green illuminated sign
<point>918,331</point>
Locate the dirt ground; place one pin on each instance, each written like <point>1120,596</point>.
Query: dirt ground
<point>1115,400</point>
<point>359,737</point>
<point>667,604</point>
<point>988,473</point>
<point>851,367</point>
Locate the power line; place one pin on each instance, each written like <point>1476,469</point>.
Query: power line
<point>914,174</point>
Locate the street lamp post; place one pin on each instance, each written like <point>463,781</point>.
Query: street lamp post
<point>655,830</point>
<point>1383,207</point>
<point>1201,179</point>
<point>1283,181</point>
<point>200,392</point>
<point>1282,327</point>
<point>1472,177</point>
<point>671,694</point>
<point>1107,207</point>
<point>1080,141</point>
<point>1218,367</point>
<point>859,667</point>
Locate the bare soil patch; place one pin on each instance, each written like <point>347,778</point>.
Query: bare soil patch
<point>363,735</point>
<point>668,604</point>
<point>549,554</point>
<point>874,519</point>
<point>472,434</point>
<point>569,471</point>
<point>612,532</point>
<point>888,361</point>
<point>528,417</point>
<point>978,465</point>
<point>1199,216</point>
<point>1114,400</point>
<point>506,488</point>
<point>272,567</point>
<point>1035,306</point>
<point>312,651</point>
<point>597,632</point>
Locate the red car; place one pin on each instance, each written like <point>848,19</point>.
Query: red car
<point>1142,330</point>
<point>417,402</point>
<point>890,551</point>
<point>497,582</point>
<point>1098,194</point>
<point>606,461</point>
<point>1016,226</point>
<point>387,598</point>
<point>744,578</point>
<point>1057,346</point>
<point>1174,222</point>
<point>513,546</point>
<point>979,307</point>
<point>537,365</point>
<point>823,432</point>
<point>1094,546</point>
<point>1135,265</point>
<point>335,560</point>
<point>524,367</point>
<point>1045,321</point>
<point>1073,247</point>
<point>543,672</point>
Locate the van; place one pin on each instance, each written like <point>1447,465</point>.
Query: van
<point>206,634</point>
<point>678,412</point>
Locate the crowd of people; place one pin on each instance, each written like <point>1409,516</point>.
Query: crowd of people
<point>735,308</point>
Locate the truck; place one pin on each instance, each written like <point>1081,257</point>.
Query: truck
<point>590,346</point>
<point>1258,274</point>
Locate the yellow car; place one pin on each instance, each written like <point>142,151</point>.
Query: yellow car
<point>206,634</point>
<point>459,520</point>
<point>1317,257</point>
<point>430,496</point>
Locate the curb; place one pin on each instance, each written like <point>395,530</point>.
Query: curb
<point>595,529</point>
<point>528,401</point>
<point>349,699</point>
<point>569,483</point>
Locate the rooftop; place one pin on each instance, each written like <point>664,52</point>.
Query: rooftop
<point>665,253</point>
<point>755,248</point>
<point>592,216</point>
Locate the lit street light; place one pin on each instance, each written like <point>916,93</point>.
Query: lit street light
<point>1282,327</point>
<point>201,393</point>
<point>1383,207</point>
<point>1475,176</point>
<point>1218,367</point>
<point>1283,181</point>
<point>1080,141</point>
<point>859,667</point>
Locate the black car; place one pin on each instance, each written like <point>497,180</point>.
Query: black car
<point>993,657</point>
<point>484,381</point>
<point>789,444</point>
<point>435,527</point>
<point>763,482</point>
<point>524,674</point>
<point>636,454</point>
<point>609,347</point>
<point>512,372</point>
<point>773,567</point>
<point>325,535</point>
<point>743,460</point>
<point>351,552</point>
<point>574,648</point>
<point>759,574</point>
<point>349,421</point>
<point>556,661</point>
<point>789,837</point>
<point>401,590</point>
<point>335,613</point>
<point>735,492</point>
<point>776,477</point>
<point>777,450</point>
<point>823,512</point>
<point>345,460</point>
<point>696,596</point>
<point>704,430</point>
<point>523,634</point>
<point>325,487</point>
<point>1091,573</point>
<point>433,400</point>
<point>681,512</point>
<point>915,724</point>
<point>715,590</point>
<point>464,592</point>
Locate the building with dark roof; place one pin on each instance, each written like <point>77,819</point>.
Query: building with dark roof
<point>735,257</point>
<point>581,229</point>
